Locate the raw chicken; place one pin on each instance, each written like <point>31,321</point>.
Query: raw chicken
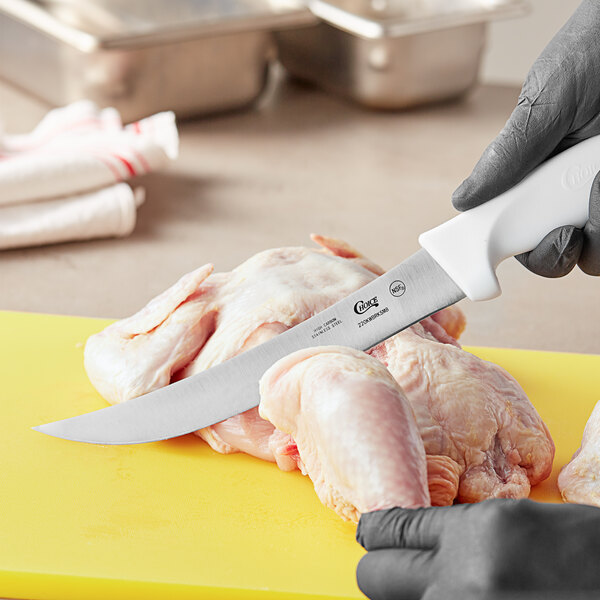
<point>206,318</point>
<point>579,481</point>
<point>483,437</point>
<point>345,422</point>
<point>450,323</point>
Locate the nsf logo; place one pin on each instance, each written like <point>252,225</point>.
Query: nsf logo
<point>397,288</point>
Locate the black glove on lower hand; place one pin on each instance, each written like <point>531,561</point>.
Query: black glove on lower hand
<point>497,549</point>
<point>559,106</point>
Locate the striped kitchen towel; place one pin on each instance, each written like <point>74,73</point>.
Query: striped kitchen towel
<point>63,181</point>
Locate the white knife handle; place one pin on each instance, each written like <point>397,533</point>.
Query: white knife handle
<point>470,246</point>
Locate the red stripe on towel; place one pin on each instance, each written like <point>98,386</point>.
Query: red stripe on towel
<point>113,169</point>
<point>127,164</point>
<point>142,160</point>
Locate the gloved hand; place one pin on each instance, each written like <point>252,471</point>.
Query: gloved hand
<point>559,106</point>
<point>496,549</point>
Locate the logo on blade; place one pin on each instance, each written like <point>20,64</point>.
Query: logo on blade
<point>397,288</point>
<point>362,306</point>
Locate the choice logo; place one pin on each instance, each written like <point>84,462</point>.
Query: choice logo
<point>577,176</point>
<point>397,288</point>
<point>362,306</point>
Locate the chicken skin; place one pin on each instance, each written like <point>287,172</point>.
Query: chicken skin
<point>579,481</point>
<point>349,427</point>
<point>483,437</point>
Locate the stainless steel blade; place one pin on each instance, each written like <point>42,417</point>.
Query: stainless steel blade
<point>404,295</point>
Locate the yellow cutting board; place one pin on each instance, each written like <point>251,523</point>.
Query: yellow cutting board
<point>174,519</point>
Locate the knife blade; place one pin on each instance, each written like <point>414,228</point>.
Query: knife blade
<point>457,259</point>
<point>362,320</point>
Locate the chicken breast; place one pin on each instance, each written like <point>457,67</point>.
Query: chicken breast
<point>579,480</point>
<point>483,437</point>
<point>347,425</point>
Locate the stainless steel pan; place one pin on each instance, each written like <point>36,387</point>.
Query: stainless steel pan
<point>190,56</point>
<point>393,53</point>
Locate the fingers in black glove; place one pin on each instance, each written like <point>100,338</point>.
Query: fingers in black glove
<point>492,549</point>
<point>394,574</point>
<point>589,260</point>
<point>515,152</point>
<point>557,254</point>
<point>562,249</point>
<point>402,528</point>
<point>401,544</point>
<point>558,106</point>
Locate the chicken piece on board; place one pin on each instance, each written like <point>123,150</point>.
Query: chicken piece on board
<point>206,318</point>
<point>483,437</point>
<point>579,481</point>
<point>344,421</point>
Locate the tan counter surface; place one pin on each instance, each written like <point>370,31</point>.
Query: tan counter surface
<point>300,162</point>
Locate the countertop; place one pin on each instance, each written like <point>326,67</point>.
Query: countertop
<point>300,161</point>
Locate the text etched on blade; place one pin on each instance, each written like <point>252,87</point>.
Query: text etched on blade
<point>373,316</point>
<point>325,327</point>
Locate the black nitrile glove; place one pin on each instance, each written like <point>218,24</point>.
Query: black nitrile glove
<point>496,549</point>
<point>559,106</point>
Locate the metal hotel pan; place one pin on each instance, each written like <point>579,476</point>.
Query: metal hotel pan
<point>393,53</point>
<point>142,56</point>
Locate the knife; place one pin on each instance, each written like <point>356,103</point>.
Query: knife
<point>457,259</point>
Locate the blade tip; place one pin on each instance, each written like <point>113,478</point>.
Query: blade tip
<point>50,430</point>
<point>43,428</point>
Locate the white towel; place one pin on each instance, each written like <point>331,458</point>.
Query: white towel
<point>107,212</point>
<point>59,182</point>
